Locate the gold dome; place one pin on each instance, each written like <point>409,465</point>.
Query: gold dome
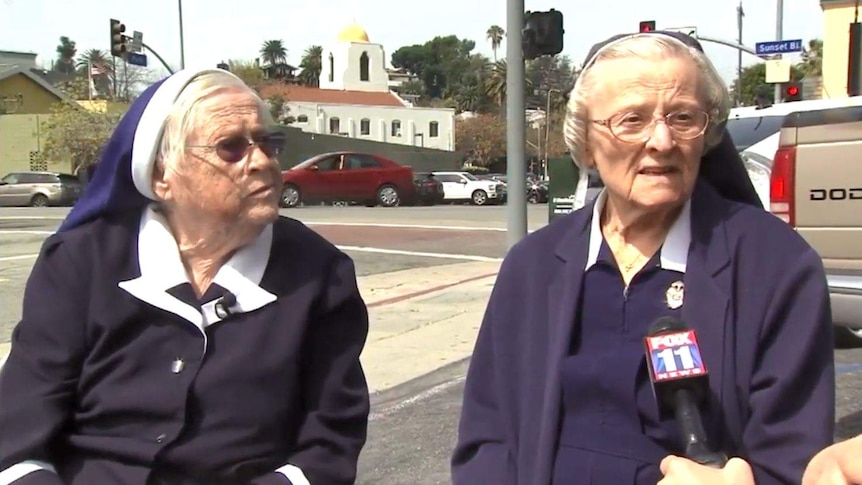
<point>353,33</point>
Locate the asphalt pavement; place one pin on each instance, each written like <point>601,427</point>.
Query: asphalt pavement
<point>413,425</point>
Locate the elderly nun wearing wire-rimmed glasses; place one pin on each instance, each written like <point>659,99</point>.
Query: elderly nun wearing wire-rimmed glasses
<point>560,389</point>
<point>176,330</point>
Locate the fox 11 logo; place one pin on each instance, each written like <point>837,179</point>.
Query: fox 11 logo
<point>674,356</point>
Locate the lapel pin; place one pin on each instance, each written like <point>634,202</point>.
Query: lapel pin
<point>675,294</point>
<point>177,366</point>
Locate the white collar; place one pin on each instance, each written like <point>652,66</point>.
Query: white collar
<point>162,269</point>
<point>674,251</point>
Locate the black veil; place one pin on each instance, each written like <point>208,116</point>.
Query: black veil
<point>721,166</point>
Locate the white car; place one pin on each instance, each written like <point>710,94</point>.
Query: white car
<point>464,186</point>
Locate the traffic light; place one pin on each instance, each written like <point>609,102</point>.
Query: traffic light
<point>646,26</point>
<point>543,34</point>
<point>792,92</point>
<point>118,40</point>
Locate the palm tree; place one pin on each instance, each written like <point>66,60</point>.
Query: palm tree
<point>495,35</point>
<point>102,70</point>
<point>495,86</point>
<point>273,52</point>
<point>311,65</point>
<point>96,58</point>
<point>812,58</point>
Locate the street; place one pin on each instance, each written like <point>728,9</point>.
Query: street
<point>413,424</point>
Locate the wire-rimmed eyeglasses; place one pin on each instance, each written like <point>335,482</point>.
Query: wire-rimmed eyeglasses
<point>235,148</point>
<point>634,127</point>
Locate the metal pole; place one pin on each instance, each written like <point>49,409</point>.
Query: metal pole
<point>728,43</point>
<point>145,46</point>
<point>779,27</point>
<point>516,170</point>
<point>182,44</point>
<point>114,73</point>
<point>739,15</point>
<point>548,131</point>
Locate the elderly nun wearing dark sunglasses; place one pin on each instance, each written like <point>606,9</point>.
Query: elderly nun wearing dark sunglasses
<point>176,330</point>
<point>561,386</point>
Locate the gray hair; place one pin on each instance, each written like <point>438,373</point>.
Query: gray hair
<point>650,46</point>
<point>186,112</point>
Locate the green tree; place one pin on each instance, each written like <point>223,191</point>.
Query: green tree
<point>812,59</point>
<point>66,52</point>
<point>248,71</point>
<point>277,107</point>
<point>482,138</point>
<point>273,52</point>
<point>311,66</point>
<point>554,74</point>
<point>102,73</point>
<point>754,83</point>
<point>76,135</point>
<point>496,84</point>
<point>439,63</point>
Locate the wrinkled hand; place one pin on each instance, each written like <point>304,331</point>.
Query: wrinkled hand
<point>682,471</point>
<point>839,464</point>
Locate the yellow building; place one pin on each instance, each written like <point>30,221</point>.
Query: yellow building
<point>837,17</point>
<point>25,100</point>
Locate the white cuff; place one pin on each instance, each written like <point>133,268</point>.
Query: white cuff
<point>293,473</point>
<point>14,472</point>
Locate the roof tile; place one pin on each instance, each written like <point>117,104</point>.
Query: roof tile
<point>306,94</point>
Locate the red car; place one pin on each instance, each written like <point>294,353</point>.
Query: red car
<point>348,177</point>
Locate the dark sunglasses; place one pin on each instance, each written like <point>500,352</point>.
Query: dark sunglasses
<point>235,148</point>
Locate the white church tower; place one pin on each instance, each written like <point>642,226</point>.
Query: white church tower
<point>353,63</point>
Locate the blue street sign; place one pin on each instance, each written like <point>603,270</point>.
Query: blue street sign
<point>778,47</point>
<point>136,59</point>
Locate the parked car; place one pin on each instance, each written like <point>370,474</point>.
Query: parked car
<point>537,191</point>
<point>39,189</point>
<point>347,177</point>
<point>429,190</point>
<point>463,186</point>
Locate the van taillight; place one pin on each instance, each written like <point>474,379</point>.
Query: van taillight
<point>781,200</point>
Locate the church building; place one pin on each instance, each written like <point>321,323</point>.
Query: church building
<point>355,100</point>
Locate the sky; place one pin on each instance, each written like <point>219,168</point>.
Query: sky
<point>218,30</point>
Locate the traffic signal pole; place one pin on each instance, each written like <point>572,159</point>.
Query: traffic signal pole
<point>145,46</point>
<point>779,28</point>
<point>516,166</point>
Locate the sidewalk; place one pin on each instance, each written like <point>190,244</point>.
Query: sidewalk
<point>420,319</point>
<point>423,319</point>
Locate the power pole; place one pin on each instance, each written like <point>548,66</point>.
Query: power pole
<point>740,14</point>
<point>779,27</point>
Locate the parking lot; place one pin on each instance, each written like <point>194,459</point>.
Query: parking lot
<point>413,423</point>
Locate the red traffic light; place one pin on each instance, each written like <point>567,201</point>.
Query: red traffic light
<point>793,92</point>
<point>646,26</point>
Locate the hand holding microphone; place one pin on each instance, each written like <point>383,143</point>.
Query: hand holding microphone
<point>678,376</point>
<point>682,471</point>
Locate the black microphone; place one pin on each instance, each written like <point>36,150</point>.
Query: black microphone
<point>679,379</point>
<point>223,305</point>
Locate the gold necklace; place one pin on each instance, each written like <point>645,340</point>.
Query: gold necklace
<point>630,265</point>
